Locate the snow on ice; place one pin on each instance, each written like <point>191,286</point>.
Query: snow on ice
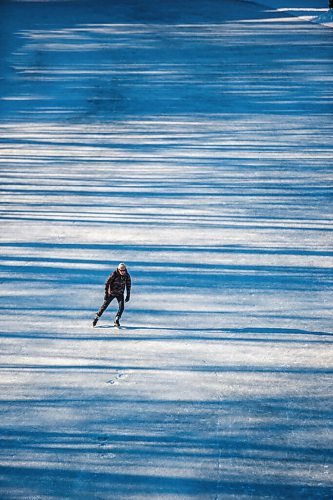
<point>193,141</point>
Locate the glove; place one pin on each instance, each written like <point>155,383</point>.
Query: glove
<point>127,297</point>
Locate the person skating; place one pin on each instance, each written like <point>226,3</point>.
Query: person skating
<point>115,286</point>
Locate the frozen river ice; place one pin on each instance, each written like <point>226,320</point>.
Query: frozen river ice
<point>193,141</point>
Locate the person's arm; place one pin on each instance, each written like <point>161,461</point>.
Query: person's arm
<point>128,287</point>
<point>109,282</point>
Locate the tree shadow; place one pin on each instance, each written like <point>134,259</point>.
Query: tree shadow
<point>204,117</point>
<point>136,58</point>
<point>115,453</point>
<point>191,274</point>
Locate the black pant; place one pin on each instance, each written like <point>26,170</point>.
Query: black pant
<point>107,302</point>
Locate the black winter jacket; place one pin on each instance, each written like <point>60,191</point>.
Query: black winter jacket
<point>116,283</point>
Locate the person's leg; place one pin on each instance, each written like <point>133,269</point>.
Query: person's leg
<point>105,304</point>
<point>121,305</point>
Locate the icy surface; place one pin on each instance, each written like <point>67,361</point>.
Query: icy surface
<point>192,140</point>
<point>316,11</point>
<point>326,18</point>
